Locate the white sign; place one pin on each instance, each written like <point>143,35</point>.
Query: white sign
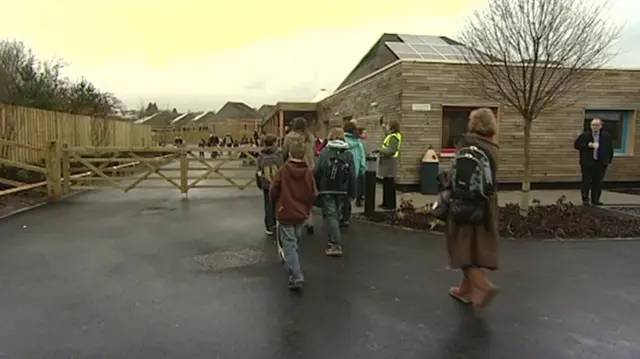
<point>421,107</point>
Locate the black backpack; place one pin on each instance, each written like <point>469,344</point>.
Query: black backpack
<point>336,177</point>
<point>472,181</point>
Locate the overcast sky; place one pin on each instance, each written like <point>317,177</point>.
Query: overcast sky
<point>196,54</point>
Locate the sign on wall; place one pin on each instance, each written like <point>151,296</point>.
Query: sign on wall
<point>421,107</point>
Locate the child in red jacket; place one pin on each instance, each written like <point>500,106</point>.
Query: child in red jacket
<point>294,191</point>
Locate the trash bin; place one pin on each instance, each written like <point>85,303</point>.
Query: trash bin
<point>429,172</point>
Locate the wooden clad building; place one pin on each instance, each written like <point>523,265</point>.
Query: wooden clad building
<point>418,81</point>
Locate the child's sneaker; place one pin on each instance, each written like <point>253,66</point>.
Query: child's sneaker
<point>268,231</point>
<point>295,284</point>
<point>310,230</point>
<point>333,250</point>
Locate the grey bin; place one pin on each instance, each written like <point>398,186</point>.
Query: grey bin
<point>429,173</point>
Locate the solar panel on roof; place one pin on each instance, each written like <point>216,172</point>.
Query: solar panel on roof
<point>432,40</point>
<point>432,56</point>
<point>446,50</point>
<point>403,51</point>
<point>414,56</point>
<point>399,47</point>
<point>422,48</point>
<point>412,49</point>
<point>411,39</point>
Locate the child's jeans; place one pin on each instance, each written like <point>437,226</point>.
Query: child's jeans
<point>360,186</point>
<point>345,211</point>
<point>269,211</point>
<point>332,212</point>
<point>290,235</point>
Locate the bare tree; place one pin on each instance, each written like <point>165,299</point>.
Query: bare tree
<point>535,56</point>
<point>27,81</point>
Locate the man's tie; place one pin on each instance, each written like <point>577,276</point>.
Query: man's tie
<point>596,139</point>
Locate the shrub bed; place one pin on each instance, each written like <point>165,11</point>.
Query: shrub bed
<point>560,220</point>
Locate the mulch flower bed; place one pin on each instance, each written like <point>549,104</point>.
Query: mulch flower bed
<point>560,220</point>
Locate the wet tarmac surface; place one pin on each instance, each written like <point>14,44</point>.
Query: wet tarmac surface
<point>148,275</point>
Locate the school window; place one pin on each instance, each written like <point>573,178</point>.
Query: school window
<point>454,125</point>
<point>617,123</point>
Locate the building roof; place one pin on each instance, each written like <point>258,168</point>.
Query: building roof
<point>392,47</point>
<point>237,110</point>
<point>264,110</point>
<point>183,119</point>
<point>204,117</point>
<point>321,95</point>
<point>291,106</point>
<point>162,118</point>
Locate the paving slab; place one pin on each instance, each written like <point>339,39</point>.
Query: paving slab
<point>149,274</point>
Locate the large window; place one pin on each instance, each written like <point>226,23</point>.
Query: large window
<point>614,122</point>
<point>454,125</point>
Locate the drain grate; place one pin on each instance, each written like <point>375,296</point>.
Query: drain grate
<point>220,261</point>
<point>155,210</point>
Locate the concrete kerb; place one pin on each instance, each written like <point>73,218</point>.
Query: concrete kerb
<point>511,239</point>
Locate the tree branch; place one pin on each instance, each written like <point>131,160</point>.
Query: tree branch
<point>536,55</point>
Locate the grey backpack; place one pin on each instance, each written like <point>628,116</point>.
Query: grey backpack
<point>472,181</point>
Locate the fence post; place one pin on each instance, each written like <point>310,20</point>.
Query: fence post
<point>54,184</point>
<point>66,170</point>
<point>184,172</point>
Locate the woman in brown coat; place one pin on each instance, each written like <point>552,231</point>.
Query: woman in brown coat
<point>474,248</point>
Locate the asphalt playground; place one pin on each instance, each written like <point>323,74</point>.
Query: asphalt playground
<point>151,274</point>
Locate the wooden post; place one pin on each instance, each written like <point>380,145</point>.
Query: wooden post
<point>281,123</point>
<point>66,170</point>
<point>184,172</point>
<point>54,185</point>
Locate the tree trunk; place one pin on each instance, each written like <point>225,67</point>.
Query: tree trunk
<point>526,177</point>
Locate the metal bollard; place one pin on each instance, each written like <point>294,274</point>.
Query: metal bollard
<point>370,185</point>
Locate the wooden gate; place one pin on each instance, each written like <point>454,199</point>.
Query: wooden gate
<point>17,176</point>
<point>178,168</point>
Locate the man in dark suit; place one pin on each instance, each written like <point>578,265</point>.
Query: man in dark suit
<point>596,153</point>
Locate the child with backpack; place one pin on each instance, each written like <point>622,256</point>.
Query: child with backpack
<point>294,191</point>
<point>269,162</point>
<point>335,175</point>
<point>472,213</point>
<point>356,148</point>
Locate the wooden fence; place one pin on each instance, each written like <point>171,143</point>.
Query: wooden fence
<point>34,128</point>
<point>192,134</point>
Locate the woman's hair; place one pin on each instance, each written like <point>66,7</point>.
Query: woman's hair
<point>350,127</point>
<point>394,126</point>
<point>300,126</point>
<point>482,122</point>
<point>335,133</point>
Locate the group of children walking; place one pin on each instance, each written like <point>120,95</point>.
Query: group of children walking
<point>294,179</point>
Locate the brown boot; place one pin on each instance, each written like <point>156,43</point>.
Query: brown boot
<point>462,292</point>
<point>483,290</point>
